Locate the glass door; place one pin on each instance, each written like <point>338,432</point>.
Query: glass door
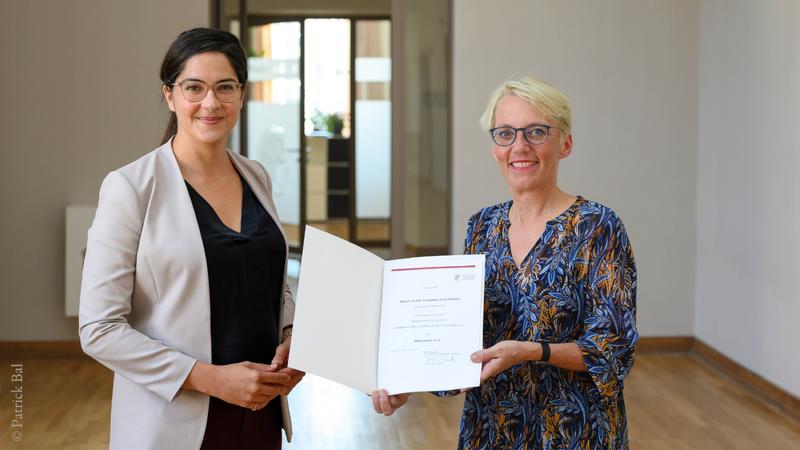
<point>274,116</point>
<point>318,118</point>
<point>327,126</point>
<point>373,131</point>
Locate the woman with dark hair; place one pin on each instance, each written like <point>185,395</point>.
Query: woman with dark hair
<point>184,291</point>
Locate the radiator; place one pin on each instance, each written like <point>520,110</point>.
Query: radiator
<point>79,219</point>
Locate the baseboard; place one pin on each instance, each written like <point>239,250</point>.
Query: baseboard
<point>762,388</point>
<point>664,344</point>
<point>40,349</point>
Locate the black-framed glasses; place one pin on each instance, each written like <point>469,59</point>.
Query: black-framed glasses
<point>195,90</point>
<point>534,134</point>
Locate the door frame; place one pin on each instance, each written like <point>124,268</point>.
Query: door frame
<point>248,20</point>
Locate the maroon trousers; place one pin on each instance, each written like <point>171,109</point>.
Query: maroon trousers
<point>233,427</point>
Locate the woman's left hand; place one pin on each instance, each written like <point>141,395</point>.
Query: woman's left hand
<point>281,359</point>
<point>503,355</point>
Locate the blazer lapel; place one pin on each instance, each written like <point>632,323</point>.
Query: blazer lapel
<point>263,194</point>
<point>175,223</point>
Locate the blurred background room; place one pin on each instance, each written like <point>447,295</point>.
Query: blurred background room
<point>365,113</point>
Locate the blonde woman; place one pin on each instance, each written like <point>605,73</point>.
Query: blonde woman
<point>560,300</point>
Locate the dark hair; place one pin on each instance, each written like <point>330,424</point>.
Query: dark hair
<point>193,42</point>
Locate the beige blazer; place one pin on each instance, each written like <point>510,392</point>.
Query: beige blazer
<point>144,304</point>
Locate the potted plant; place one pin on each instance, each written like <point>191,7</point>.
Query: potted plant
<point>334,124</point>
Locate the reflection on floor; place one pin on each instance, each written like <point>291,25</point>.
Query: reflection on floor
<point>329,415</point>
<point>673,402</point>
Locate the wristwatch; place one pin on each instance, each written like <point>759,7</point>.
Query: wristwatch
<point>545,352</point>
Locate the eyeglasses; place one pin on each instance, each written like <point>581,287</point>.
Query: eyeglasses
<point>195,90</point>
<point>534,134</point>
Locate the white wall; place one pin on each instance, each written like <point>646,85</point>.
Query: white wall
<point>748,271</point>
<point>80,90</point>
<point>629,67</point>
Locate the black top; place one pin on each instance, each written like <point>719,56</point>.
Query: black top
<point>245,279</point>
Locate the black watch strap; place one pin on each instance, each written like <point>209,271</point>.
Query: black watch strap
<point>545,351</point>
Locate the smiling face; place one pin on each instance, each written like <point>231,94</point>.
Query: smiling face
<point>528,167</point>
<point>208,121</point>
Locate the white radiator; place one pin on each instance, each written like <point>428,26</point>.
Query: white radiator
<point>79,219</point>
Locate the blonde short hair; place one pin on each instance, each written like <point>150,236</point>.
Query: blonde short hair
<point>548,100</point>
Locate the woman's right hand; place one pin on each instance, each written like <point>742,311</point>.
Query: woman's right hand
<point>250,385</point>
<point>246,384</point>
<point>387,404</point>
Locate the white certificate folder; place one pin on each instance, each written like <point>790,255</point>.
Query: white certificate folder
<point>406,325</point>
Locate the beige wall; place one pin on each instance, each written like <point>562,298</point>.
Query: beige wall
<point>425,114</point>
<point>748,188</point>
<point>629,68</point>
<point>81,97</point>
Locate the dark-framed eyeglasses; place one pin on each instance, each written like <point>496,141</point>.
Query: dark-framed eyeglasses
<point>534,134</point>
<point>195,90</point>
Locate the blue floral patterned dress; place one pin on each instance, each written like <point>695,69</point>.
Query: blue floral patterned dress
<point>577,284</point>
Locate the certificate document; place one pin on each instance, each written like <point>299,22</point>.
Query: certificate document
<point>406,325</point>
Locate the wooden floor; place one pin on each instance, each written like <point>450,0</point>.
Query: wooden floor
<point>674,402</point>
